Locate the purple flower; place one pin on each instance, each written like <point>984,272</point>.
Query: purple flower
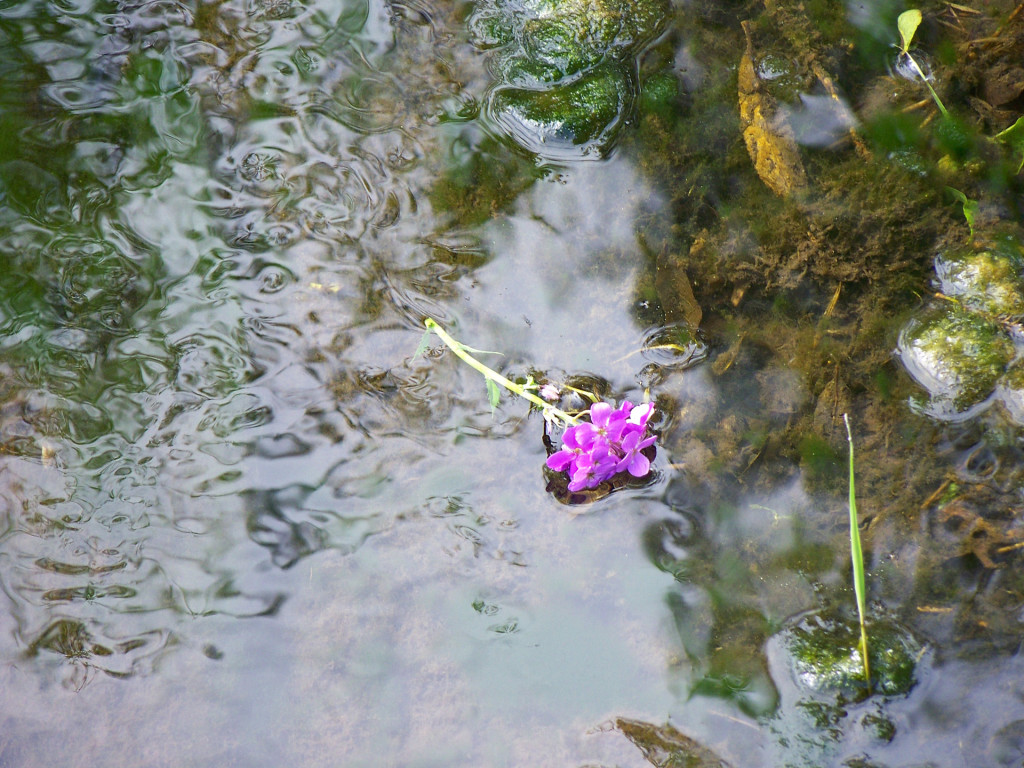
<point>592,469</point>
<point>605,422</point>
<point>572,449</point>
<point>633,461</point>
<point>640,414</point>
<point>612,441</point>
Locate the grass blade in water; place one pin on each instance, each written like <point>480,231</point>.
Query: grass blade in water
<point>857,556</point>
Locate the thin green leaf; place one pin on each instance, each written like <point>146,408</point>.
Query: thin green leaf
<point>970,207</point>
<point>493,393</point>
<point>907,23</point>
<point>424,344</point>
<point>1014,136</point>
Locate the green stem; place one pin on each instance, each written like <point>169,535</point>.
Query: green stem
<point>924,79</point>
<point>857,557</point>
<point>494,376</point>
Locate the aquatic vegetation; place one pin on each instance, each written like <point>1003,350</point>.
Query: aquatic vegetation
<point>959,349</point>
<point>970,208</point>
<point>565,69</point>
<point>597,444</point>
<point>1014,136</point>
<point>857,558</point>
<point>495,379</point>
<point>953,133</point>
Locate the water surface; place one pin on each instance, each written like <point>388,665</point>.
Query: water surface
<point>244,523</point>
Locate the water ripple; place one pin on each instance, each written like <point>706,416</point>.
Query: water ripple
<point>218,265</point>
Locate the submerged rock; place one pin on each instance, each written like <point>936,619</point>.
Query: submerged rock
<point>1011,391</point>
<point>564,81</point>
<point>825,656</point>
<point>557,122</point>
<point>986,279</point>
<point>957,356</point>
<point>770,141</point>
<point>663,745</point>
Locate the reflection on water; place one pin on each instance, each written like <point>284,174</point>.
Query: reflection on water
<point>246,524</point>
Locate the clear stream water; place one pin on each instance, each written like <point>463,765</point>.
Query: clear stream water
<point>243,524</point>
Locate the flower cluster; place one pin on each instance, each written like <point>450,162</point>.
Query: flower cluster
<point>611,442</point>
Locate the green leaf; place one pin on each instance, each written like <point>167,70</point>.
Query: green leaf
<point>493,393</point>
<point>1014,136</point>
<point>907,23</point>
<point>424,344</point>
<point>970,207</point>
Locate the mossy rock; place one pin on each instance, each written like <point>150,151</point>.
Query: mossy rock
<point>590,30</point>
<point>957,356</point>
<point>573,119</point>
<point>564,44</point>
<point>825,656</point>
<point>491,27</point>
<point>565,69</point>
<point>522,71</point>
<point>566,36</point>
<point>985,280</point>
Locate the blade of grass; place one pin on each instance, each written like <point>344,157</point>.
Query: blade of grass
<point>857,557</point>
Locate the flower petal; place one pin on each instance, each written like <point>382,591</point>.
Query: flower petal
<point>641,414</point>
<point>559,460</point>
<point>599,414</point>
<point>639,465</point>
